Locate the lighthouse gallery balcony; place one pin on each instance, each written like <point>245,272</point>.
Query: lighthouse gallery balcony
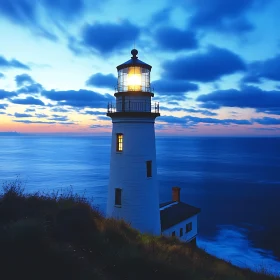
<point>133,108</point>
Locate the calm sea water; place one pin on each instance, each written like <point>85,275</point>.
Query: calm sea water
<point>235,181</point>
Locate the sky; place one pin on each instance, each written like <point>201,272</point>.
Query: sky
<point>215,64</point>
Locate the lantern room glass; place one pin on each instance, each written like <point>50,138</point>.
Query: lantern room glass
<point>134,78</point>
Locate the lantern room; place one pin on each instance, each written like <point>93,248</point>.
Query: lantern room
<point>134,75</point>
<point>133,93</point>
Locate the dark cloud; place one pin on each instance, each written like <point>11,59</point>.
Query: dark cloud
<point>270,111</point>
<point>268,69</point>
<point>13,63</point>
<point>30,122</point>
<point>174,39</point>
<point>59,110</point>
<point>161,17</point>
<point>217,121</point>
<point>58,118</point>
<point>23,79</point>
<point>223,16</point>
<point>267,121</point>
<point>102,81</point>
<point>204,67</point>
<point>29,110</point>
<point>28,101</point>
<point>80,98</point>
<point>173,120</point>
<point>30,13</point>
<point>192,121</point>
<point>103,118</point>
<point>107,37</point>
<point>18,115</point>
<point>247,97</point>
<point>33,88</point>
<point>94,113</point>
<point>173,88</point>
<point>3,106</point>
<point>41,115</point>
<point>180,109</point>
<point>7,94</point>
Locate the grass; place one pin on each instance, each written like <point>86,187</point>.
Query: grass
<point>61,236</point>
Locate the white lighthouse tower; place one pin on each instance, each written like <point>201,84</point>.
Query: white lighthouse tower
<point>133,187</point>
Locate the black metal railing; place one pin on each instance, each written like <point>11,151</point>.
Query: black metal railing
<point>134,88</point>
<point>133,106</point>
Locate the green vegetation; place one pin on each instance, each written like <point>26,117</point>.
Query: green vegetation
<point>62,237</point>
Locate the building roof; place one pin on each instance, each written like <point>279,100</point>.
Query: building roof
<point>172,213</point>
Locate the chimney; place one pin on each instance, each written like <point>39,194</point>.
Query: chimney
<point>176,194</point>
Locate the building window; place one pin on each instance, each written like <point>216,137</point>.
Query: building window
<point>188,227</point>
<point>119,142</point>
<point>181,232</point>
<point>149,168</point>
<point>173,233</point>
<point>118,197</point>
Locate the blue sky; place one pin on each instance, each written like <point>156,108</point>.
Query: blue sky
<point>216,64</point>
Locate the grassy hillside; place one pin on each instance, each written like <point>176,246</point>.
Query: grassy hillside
<point>63,237</point>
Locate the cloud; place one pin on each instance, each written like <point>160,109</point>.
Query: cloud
<point>80,98</point>
<point>2,75</point>
<point>102,81</point>
<point>204,66</point>
<point>23,79</point>
<point>3,106</point>
<point>107,37</point>
<point>29,110</point>
<point>181,39</point>
<point>268,69</point>
<point>30,122</point>
<point>28,101</point>
<point>173,88</point>
<point>30,14</point>
<point>223,16</point>
<point>270,111</point>
<point>41,115</point>
<point>18,115</point>
<point>59,110</point>
<point>7,94</point>
<point>59,118</point>
<point>13,63</point>
<point>180,109</point>
<point>33,88</point>
<point>267,121</point>
<point>192,121</point>
<point>161,17</point>
<point>247,97</point>
<point>102,118</point>
<point>217,121</point>
<point>94,113</point>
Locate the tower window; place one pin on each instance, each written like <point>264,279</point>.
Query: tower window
<point>181,232</point>
<point>119,142</point>
<point>149,168</point>
<point>118,197</point>
<point>188,227</point>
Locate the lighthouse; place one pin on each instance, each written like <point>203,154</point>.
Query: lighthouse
<point>133,187</point>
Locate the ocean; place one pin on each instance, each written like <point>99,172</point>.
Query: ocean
<point>235,182</point>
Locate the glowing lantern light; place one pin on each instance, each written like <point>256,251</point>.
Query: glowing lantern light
<point>134,78</point>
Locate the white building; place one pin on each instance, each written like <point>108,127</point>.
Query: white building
<point>178,218</point>
<point>133,186</point>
